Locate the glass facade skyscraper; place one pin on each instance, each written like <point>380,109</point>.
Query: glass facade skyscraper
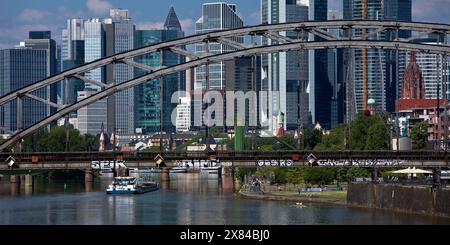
<point>321,90</point>
<point>72,55</point>
<point>119,38</point>
<point>147,95</point>
<point>215,16</point>
<point>20,67</point>
<point>371,73</point>
<point>285,74</point>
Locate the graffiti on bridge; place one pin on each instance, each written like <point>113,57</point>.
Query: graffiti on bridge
<point>108,164</point>
<point>360,163</point>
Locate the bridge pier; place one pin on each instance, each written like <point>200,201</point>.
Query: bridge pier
<point>227,171</point>
<point>436,177</point>
<point>13,179</point>
<point>29,180</point>
<point>375,175</point>
<point>88,176</point>
<point>165,176</point>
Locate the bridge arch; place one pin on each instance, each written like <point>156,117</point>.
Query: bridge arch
<point>269,31</point>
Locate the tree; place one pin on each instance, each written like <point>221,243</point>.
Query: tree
<point>357,172</point>
<point>319,175</point>
<point>334,141</point>
<point>419,135</point>
<point>311,137</point>
<point>377,136</point>
<point>55,141</point>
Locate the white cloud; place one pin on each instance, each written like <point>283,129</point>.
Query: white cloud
<point>98,6</point>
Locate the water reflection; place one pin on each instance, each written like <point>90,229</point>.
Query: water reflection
<point>187,199</point>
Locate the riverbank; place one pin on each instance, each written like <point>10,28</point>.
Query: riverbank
<point>335,198</point>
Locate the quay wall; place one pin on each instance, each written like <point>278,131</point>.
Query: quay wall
<point>410,199</point>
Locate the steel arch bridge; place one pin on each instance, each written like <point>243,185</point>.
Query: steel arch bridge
<point>360,34</point>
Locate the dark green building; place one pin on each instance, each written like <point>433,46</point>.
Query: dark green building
<point>147,95</point>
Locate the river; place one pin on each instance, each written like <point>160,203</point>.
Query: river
<point>189,199</point>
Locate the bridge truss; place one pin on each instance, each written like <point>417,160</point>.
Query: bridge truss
<point>360,34</point>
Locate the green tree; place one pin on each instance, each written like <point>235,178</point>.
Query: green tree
<point>334,141</point>
<point>377,136</point>
<point>319,175</point>
<point>359,133</point>
<point>357,172</point>
<point>55,141</point>
<point>419,135</point>
<point>311,137</point>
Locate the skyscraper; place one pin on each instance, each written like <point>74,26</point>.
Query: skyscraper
<point>147,95</point>
<point>215,16</point>
<point>20,67</point>
<point>242,74</point>
<point>321,91</point>
<point>119,33</point>
<point>372,71</point>
<point>72,55</point>
<point>105,37</point>
<point>285,71</point>
<point>94,48</point>
<point>41,40</point>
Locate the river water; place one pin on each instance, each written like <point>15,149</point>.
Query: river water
<point>189,199</point>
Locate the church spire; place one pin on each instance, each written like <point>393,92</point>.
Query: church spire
<point>172,22</point>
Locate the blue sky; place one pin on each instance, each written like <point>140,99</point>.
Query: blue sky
<point>17,17</point>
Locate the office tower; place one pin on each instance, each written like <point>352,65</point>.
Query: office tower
<point>242,74</point>
<point>41,40</point>
<point>105,37</point>
<point>215,16</point>
<point>119,37</point>
<point>372,72</point>
<point>321,90</point>
<point>285,74</point>
<point>90,117</point>
<point>20,67</point>
<point>39,35</point>
<point>431,68</point>
<point>147,95</point>
<point>400,10</point>
<point>336,76</point>
<point>72,55</point>
<point>94,48</point>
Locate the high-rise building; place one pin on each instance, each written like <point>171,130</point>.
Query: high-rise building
<point>72,55</point>
<point>321,90</point>
<point>105,37</point>
<point>20,67</point>
<point>284,74</point>
<point>242,75</point>
<point>215,16</point>
<point>92,117</point>
<point>372,72</point>
<point>147,95</point>
<point>336,76</point>
<point>431,68</point>
<point>41,40</point>
<point>119,37</point>
<point>94,48</point>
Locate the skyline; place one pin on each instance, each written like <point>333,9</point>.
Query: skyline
<point>18,17</point>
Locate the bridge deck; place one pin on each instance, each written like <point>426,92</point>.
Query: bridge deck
<point>84,160</point>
